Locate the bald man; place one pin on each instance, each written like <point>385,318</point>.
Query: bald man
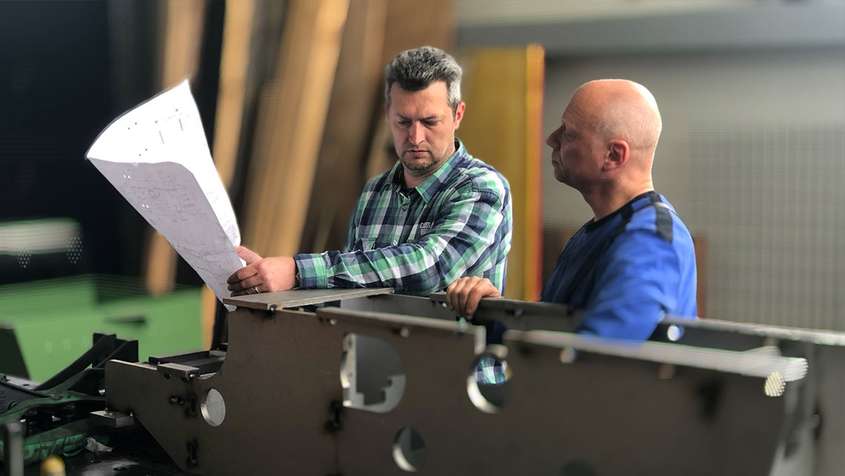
<point>633,262</point>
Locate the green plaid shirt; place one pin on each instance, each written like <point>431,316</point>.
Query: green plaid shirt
<point>456,223</point>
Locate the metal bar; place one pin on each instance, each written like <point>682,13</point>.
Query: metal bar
<point>776,25</point>
<point>300,297</point>
<point>13,445</point>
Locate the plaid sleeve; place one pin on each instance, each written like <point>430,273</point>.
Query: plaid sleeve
<point>462,235</point>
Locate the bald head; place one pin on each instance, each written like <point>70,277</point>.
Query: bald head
<point>620,109</point>
<point>604,147</point>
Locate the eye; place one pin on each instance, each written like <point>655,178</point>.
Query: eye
<point>430,122</point>
<point>404,122</point>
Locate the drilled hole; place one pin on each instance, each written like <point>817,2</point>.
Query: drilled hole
<point>409,449</point>
<point>488,383</point>
<point>371,374</point>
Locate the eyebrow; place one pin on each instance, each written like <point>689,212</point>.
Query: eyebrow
<point>426,118</point>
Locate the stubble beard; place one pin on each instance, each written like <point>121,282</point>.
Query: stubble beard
<point>420,166</point>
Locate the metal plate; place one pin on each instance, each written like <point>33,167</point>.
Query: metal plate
<point>609,411</point>
<point>300,297</point>
<point>513,314</point>
<point>812,336</point>
<point>817,427</point>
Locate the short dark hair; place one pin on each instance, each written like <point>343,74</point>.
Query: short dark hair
<point>417,68</point>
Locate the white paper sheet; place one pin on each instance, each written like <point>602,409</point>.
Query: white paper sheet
<point>157,157</point>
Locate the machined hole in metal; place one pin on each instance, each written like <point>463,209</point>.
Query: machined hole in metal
<point>213,408</point>
<point>371,374</point>
<point>488,384</point>
<point>409,449</point>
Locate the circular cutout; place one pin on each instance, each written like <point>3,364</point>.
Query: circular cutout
<point>213,408</point>
<point>674,333</point>
<point>488,383</point>
<point>409,449</point>
<point>371,374</point>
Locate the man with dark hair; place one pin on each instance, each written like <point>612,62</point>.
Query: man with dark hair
<point>634,261</point>
<point>436,215</point>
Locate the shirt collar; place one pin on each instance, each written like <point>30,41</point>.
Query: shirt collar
<point>431,185</point>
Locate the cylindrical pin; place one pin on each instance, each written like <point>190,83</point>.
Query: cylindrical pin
<point>13,449</point>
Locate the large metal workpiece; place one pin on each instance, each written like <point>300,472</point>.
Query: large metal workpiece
<point>815,438</point>
<point>384,384</point>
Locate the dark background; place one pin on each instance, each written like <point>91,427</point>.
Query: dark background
<point>67,69</point>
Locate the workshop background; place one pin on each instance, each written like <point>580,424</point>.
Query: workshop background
<point>752,94</point>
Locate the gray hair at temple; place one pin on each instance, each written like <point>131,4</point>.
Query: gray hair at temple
<point>416,69</point>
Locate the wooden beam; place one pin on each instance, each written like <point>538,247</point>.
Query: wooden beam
<point>504,96</point>
<point>234,67</point>
<point>355,97</point>
<point>183,28</point>
<point>231,96</point>
<point>290,125</point>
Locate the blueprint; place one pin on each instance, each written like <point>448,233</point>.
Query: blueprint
<point>157,157</point>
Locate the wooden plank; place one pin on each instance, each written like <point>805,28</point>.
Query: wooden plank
<point>183,28</point>
<point>208,308</point>
<point>354,100</point>
<point>231,96</point>
<point>504,96</point>
<point>410,26</point>
<point>234,66</point>
<point>290,125</point>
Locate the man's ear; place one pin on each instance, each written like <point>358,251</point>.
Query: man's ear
<point>618,153</point>
<point>459,113</point>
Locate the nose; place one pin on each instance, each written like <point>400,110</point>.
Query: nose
<point>552,141</point>
<point>416,134</point>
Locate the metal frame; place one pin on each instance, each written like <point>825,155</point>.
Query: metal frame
<point>817,429</point>
<point>572,403</point>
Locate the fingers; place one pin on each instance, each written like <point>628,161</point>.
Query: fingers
<point>453,293</point>
<point>247,254</point>
<point>482,289</point>
<point>265,275</point>
<point>464,294</point>
<point>252,290</point>
<point>243,273</point>
<point>450,293</point>
<point>254,281</point>
<point>469,283</point>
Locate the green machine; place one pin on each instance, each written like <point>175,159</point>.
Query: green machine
<point>54,319</point>
<point>53,417</point>
<point>51,371</point>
